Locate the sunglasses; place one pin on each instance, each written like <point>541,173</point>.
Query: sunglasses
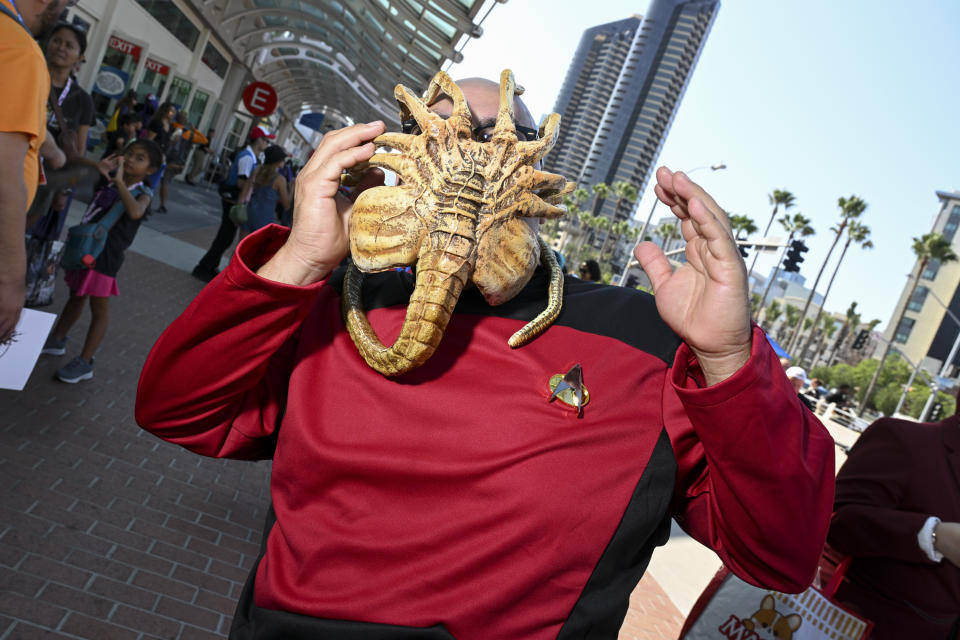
<point>480,134</point>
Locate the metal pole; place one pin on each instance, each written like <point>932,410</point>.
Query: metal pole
<point>926,407</point>
<point>906,388</point>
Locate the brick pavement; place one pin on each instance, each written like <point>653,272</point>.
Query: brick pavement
<point>108,533</point>
<point>652,616</point>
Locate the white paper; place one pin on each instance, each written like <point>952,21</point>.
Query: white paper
<point>19,357</point>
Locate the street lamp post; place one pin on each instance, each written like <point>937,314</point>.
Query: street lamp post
<point>643,230</point>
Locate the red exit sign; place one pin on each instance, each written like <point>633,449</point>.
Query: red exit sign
<point>158,67</point>
<point>126,47</point>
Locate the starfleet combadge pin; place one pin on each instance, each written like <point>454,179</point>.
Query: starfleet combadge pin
<point>568,388</point>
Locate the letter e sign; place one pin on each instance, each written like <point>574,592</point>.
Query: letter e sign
<point>260,99</point>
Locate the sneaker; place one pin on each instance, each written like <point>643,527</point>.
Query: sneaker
<point>202,273</point>
<point>54,347</point>
<point>162,209</point>
<point>76,370</point>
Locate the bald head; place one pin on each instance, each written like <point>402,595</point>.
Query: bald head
<point>483,98</point>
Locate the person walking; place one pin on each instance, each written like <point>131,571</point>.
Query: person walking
<point>161,130</point>
<point>241,169</point>
<point>200,157</point>
<point>128,190</point>
<point>269,187</point>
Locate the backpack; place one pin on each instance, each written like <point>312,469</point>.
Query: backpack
<point>85,242</point>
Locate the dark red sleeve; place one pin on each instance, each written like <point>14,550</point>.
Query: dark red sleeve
<point>756,468</point>
<point>868,519</point>
<point>215,382</point>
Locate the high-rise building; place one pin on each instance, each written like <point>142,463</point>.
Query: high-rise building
<point>621,93</point>
<point>930,327</point>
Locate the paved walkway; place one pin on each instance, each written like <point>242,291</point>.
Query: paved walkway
<point>108,533</point>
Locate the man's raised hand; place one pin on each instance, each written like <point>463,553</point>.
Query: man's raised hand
<point>705,301</point>
<point>319,238</point>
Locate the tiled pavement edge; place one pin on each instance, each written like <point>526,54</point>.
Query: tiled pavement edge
<point>108,533</point>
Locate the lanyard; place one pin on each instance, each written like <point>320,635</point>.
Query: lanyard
<point>51,115</point>
<point>66,90</point>
<point>19,16</point>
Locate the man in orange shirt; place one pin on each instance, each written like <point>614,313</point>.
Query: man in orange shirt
<point>22,131</point>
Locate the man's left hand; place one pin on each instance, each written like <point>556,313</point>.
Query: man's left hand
<point>705,301</point>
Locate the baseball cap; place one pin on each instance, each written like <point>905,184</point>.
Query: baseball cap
<point>797,372</point>
<point>261,132</point>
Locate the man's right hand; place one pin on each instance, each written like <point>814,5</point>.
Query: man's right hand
<point>948,541</point>
<point>319,239</point>
<point>11,303</point>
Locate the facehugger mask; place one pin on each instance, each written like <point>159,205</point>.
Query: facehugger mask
<point>457,214</point>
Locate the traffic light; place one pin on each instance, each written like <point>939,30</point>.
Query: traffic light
<point>795,256</point>
<point>743,250</point>
<point>936,412</point>
<point>861,338</point>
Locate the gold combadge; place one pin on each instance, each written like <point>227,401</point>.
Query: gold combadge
<point>568,387</point>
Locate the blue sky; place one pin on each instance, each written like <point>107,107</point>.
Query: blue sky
<point>822,98</point>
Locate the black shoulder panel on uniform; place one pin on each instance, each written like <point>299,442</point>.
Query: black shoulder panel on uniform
<point>624,314</point>
<point>603,603</point>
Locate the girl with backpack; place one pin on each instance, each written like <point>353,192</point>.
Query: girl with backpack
<point>128,196</point>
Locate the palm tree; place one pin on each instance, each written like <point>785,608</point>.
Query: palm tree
<point>666,231</point>
<point>796,224</point>
<point>771,314</point>
<point>850,325</point>
<point>850,209</point>
<point>930,246</point>
<point>601,191</point>
<point>779,197</point>
<point>828,326</point>
<point>624,192</point>
<point>588,223</point>
<point>856,232</point>
<point>754,303</point>
<point>790,320</point>
<point>580,194</point>
<point>574,217</point>
<point>618,230</point>
<point>742,226</point>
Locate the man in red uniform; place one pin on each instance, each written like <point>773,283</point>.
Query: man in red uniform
<point>898,516</point>
<point>456,500</point>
